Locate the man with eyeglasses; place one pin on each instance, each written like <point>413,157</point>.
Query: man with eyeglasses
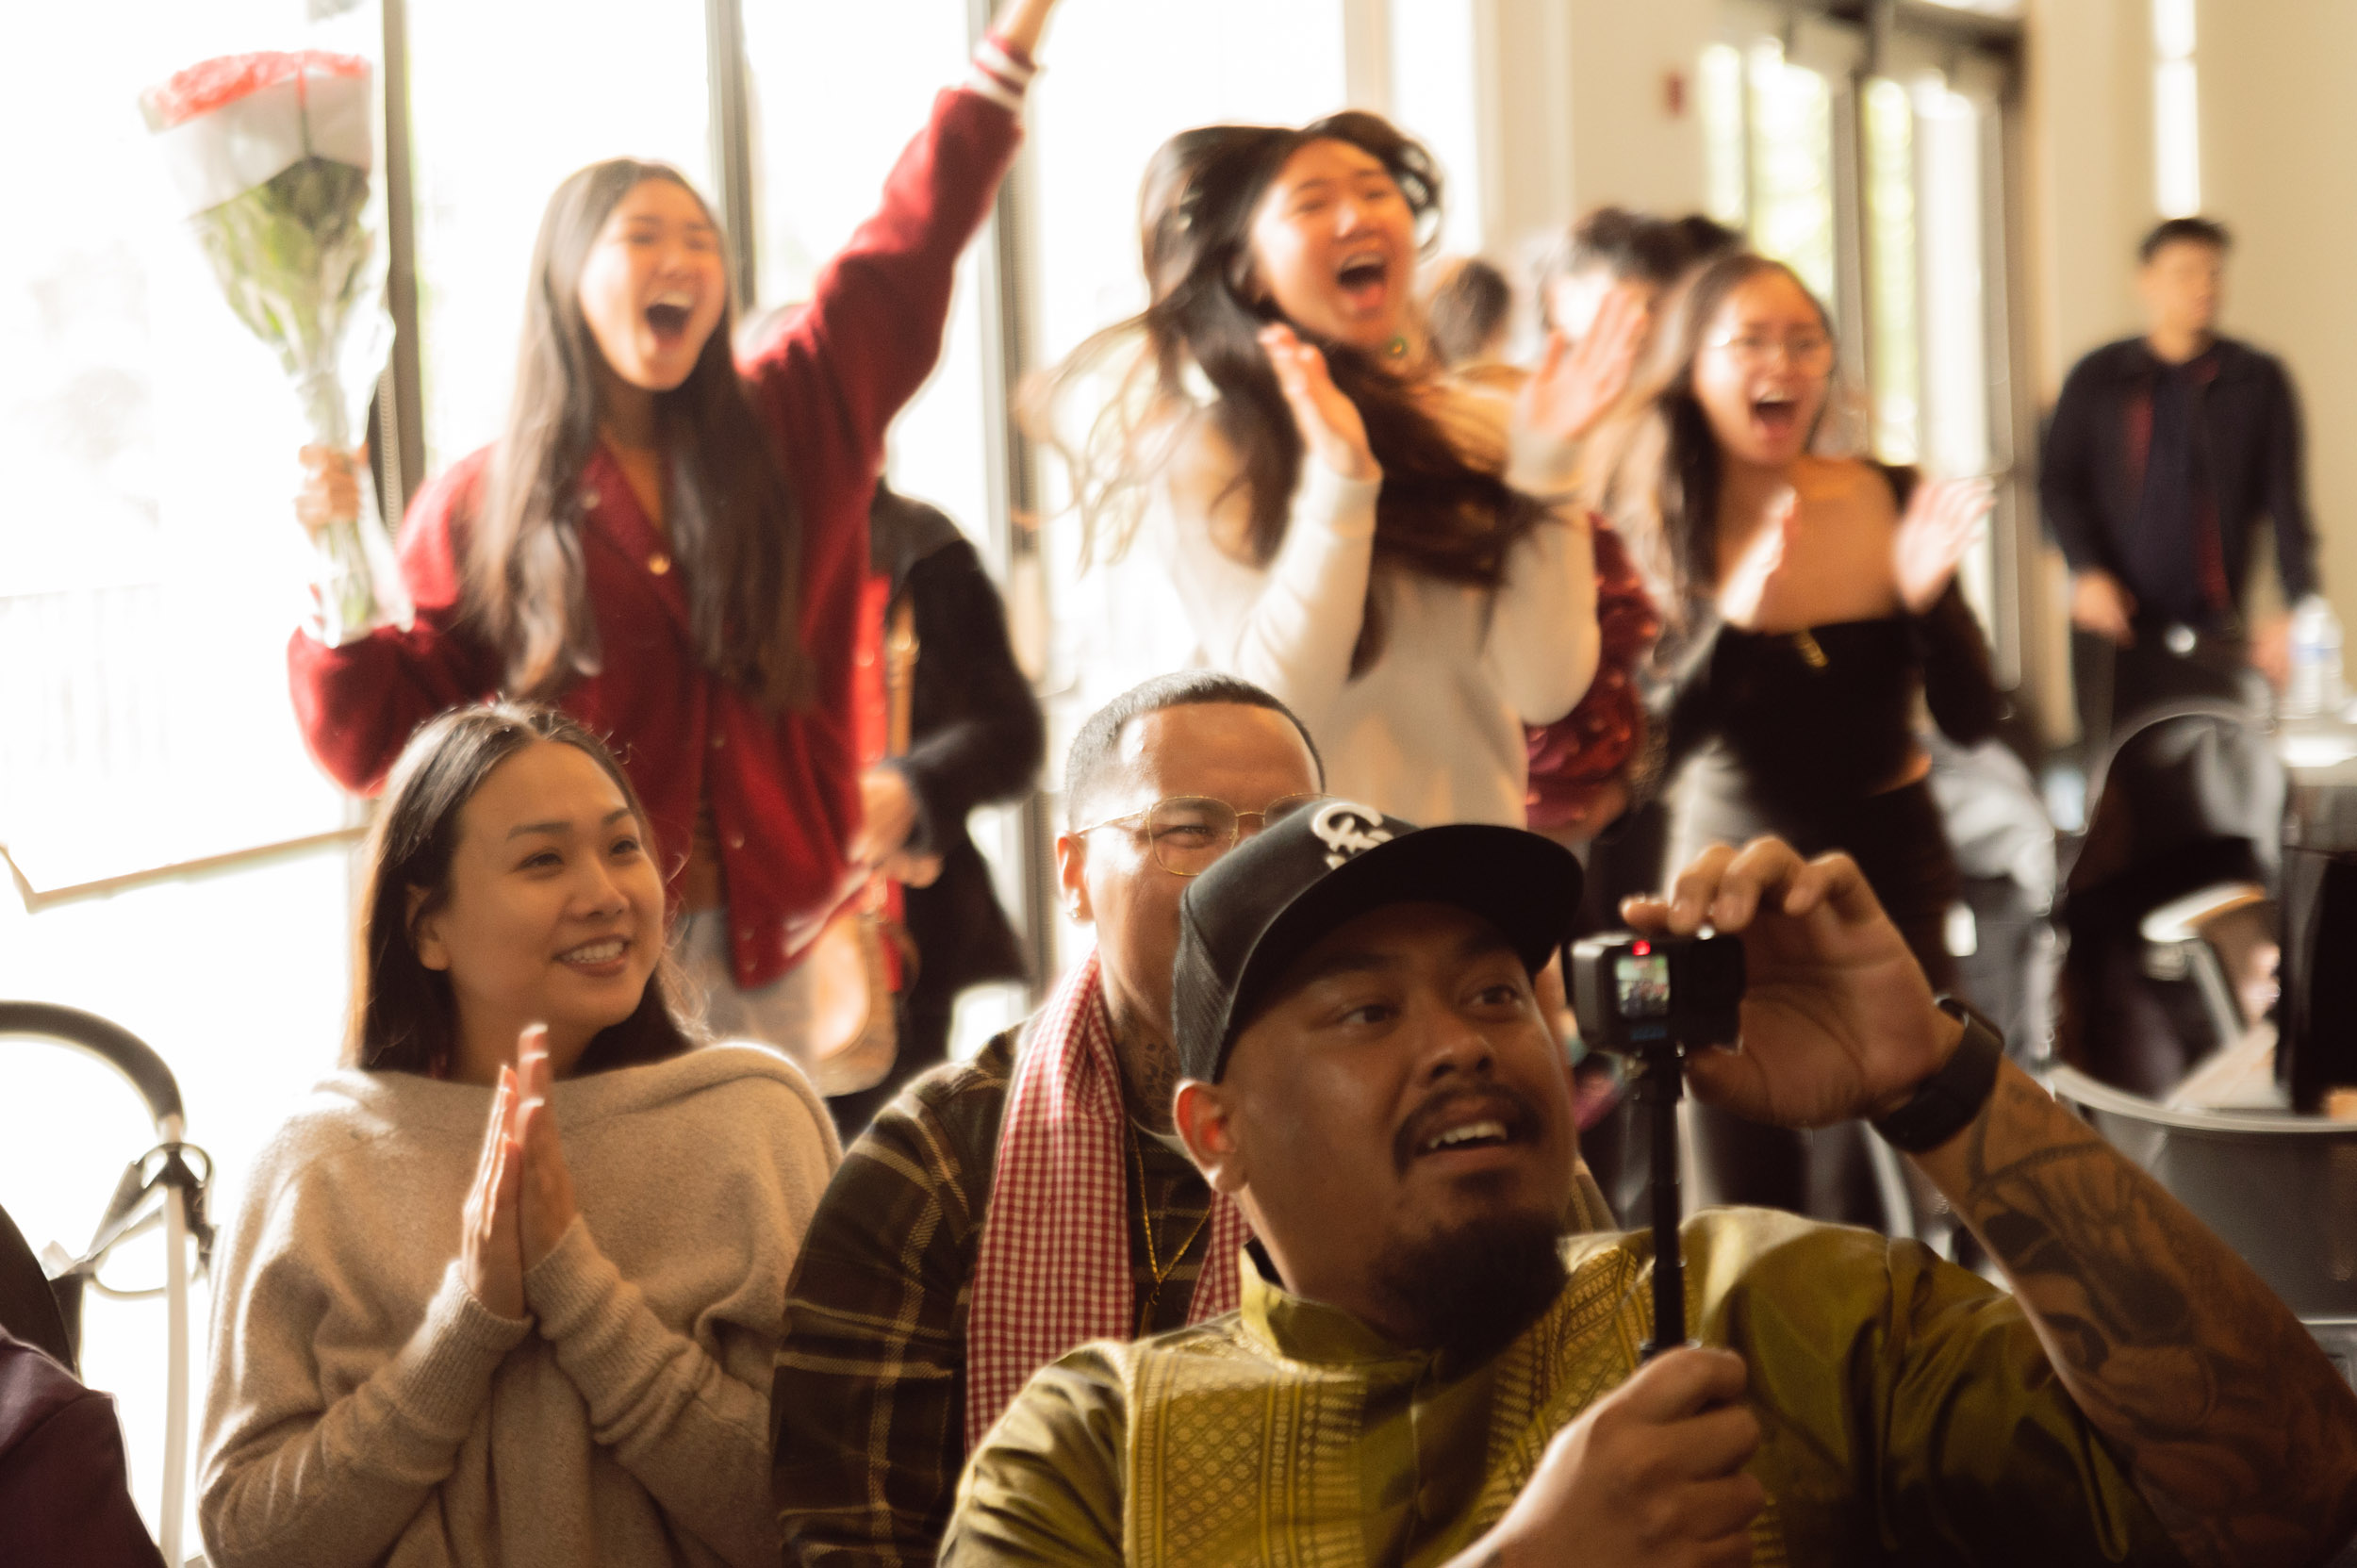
<point>1005,1209</point>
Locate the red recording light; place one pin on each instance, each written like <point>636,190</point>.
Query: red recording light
<point>1642,949</point>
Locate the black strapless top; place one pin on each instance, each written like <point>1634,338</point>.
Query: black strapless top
<point>1831,709</point>
<point>1829,714</point>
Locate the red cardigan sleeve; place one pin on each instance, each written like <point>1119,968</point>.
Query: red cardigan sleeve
<point>1573,760</point>
<point>358,704</point>
<point>873,330</point>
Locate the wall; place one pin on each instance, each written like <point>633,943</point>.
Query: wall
<point>1579,114</point>
<point>2277,122</point>
<point>2085,198</point>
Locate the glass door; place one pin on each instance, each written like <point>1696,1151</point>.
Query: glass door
<point>1875,168</point>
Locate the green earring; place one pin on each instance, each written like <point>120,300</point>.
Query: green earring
<point>1396,348</point>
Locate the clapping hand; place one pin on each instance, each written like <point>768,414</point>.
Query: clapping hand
<point>1838,1020</point>
<point>547,1208</point>
<point>1330,423</point>
<point>1941,523</point>
<point>1753,595</point>
<point>490,1250</point>
<point>1577,385</point>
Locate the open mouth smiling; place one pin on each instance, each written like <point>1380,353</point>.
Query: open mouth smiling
<point>1778,411</point>
<point>668,315</point>
<point>1364,276</point>
<point>1466,1122</point>
<point>603,956</point>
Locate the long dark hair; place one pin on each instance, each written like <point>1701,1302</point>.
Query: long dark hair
<point>734,527</point>
<point>405,1018</point>
<point>1654,467</point>
<point>1439,514</point>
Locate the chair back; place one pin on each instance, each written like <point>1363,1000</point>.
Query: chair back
<point>2279,1189</point>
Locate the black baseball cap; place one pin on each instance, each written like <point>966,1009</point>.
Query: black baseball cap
<point>1244,922</point>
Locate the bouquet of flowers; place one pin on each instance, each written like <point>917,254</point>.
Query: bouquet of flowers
<point>271,153</point>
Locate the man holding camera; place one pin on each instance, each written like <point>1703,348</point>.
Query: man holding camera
<point>1429,1366</point>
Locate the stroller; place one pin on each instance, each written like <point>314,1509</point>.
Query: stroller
<point>165,1186</point>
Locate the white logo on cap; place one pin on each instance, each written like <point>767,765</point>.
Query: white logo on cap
<point>1348,829</point>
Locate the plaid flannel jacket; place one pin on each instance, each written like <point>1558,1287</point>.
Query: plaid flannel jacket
<point>866,1409</point>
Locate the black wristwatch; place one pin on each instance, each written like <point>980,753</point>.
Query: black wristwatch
<point>1946,1102</point>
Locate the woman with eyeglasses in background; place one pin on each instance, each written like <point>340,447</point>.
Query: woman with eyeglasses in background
<point>1809,600</point>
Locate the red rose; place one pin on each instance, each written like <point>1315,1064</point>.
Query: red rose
<point>209,84</point>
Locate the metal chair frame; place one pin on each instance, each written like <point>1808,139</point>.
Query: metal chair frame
<point>164,1172</point>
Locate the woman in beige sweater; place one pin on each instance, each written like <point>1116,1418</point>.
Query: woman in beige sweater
<point>506,1291</point>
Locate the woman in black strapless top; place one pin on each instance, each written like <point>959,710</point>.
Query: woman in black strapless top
<point>1810,610</point>
<point>1810,603</point>
<point>1811,736</point>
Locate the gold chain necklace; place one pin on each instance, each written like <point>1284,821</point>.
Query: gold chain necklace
<point>1154,1264</point>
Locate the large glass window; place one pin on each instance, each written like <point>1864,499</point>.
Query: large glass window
<point>150,571</point>
<point>1727,161</point>
<point>1893,184</point>
<point>820,160</point>
<point>1792,166</point>
<point>502,106</point>
<point>1436,96</point>
<point>1890,274</point>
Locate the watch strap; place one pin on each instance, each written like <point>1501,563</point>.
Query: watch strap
<point>1946,1102</point>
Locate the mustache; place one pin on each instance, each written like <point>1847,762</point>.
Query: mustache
<point>1501,1102</point>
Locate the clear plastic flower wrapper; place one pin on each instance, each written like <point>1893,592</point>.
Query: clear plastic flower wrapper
<point>270,155</point>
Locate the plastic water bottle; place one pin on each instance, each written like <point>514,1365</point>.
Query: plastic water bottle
<point>2316,690</point>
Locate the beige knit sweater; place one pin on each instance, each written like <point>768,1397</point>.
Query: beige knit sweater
<point>365,1409</point>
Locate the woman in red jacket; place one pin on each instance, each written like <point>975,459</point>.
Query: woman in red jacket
<point>669,545</point>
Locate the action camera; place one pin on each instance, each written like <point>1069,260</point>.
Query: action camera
<point>1633,994</point>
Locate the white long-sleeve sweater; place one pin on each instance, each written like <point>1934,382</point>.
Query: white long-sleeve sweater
<point>364,1407</point>
<point>1432,730</point>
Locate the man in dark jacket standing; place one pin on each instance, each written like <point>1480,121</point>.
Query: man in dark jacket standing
<point>2163,454</point>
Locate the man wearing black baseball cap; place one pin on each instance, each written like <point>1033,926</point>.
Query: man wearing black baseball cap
<point>1433,1364</point>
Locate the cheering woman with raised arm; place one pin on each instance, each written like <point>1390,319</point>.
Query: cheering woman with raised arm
<point>1390,550</point>
<point>670,544</point>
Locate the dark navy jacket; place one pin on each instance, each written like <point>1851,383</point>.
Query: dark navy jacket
<point>2247,420</point>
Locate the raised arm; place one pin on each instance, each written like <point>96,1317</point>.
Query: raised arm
<point>2233,1423</point>
<point>2237,1429</point>
<point>358,704</point>
<point>878,310</point>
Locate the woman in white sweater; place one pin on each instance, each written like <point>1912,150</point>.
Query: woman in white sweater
<point>506,1289</point>
<point>1390,550</point>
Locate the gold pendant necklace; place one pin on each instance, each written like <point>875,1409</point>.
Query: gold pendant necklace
<point>1154,1265</point>
<point>1811,654</point>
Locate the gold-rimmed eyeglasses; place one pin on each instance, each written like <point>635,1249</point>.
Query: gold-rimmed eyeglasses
<point>1187,833</point>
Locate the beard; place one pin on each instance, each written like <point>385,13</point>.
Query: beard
<point>1473,1287</point>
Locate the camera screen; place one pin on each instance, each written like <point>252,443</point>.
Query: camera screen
<point>1643,983</point>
